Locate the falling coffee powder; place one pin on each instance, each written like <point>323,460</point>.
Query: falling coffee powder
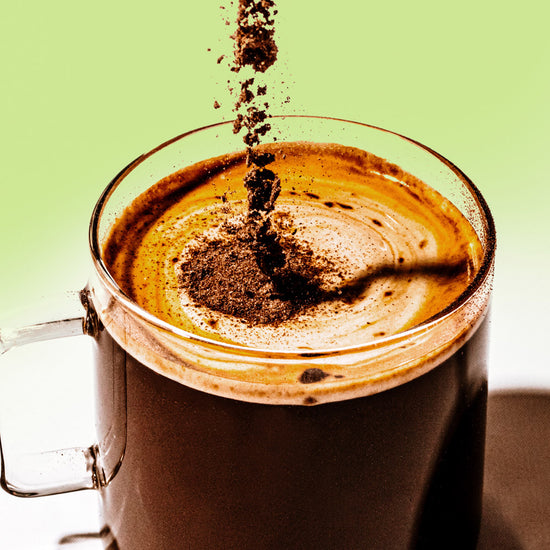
<point>253,270</point>
<point>255,47</point>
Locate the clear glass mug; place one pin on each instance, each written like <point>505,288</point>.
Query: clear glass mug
<point>190,456</point>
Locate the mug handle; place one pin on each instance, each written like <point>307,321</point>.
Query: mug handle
<point>64,470</point>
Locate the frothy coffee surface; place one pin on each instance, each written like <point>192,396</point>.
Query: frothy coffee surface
<point>391,251</point>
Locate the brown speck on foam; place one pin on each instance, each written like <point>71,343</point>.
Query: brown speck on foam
<point>310,376</point>
<point>213,323</point>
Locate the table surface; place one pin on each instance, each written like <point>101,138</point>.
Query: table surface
<point>517,474</point>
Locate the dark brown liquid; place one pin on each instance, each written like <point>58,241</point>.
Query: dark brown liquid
<point>400,469</point>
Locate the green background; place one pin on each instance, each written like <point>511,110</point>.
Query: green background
<point>86,87</point>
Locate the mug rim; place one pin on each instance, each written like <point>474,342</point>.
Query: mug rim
<point>483,273</point>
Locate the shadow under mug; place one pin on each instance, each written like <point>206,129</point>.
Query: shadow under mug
<point>190,456</point>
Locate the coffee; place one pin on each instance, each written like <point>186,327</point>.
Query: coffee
<point>299,431</point>
<point>399,469</point>
<point>393,251</point>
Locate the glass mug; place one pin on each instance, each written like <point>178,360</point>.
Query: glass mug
<point>194,457</point>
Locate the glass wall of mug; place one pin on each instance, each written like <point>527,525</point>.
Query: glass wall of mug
<point>224,447</point>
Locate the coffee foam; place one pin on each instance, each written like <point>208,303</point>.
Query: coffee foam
<point>411,249</point>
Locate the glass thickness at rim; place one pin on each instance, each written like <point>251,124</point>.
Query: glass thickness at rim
<point>388,341</point>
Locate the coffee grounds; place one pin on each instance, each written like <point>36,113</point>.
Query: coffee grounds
<point>255,46</point>
<point>254,37</point>
<point>226,275</point>
<point>263,188</point>
<point>254,272</point>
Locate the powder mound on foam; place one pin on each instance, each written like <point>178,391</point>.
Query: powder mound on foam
<point>231,274</point>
